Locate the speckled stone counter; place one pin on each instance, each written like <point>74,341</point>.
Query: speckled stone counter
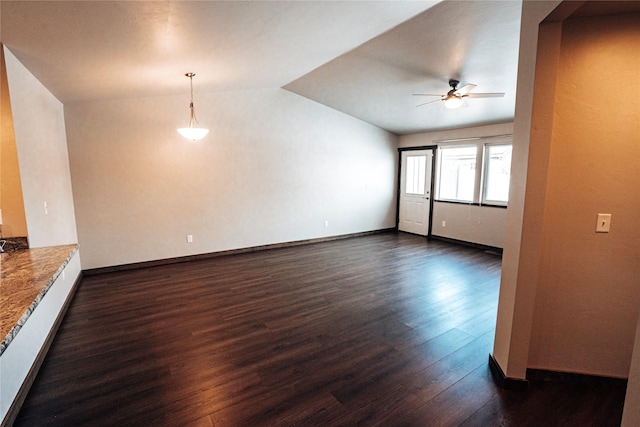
<point>25,278</point>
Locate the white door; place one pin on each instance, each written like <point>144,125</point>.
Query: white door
<point>415,191</point>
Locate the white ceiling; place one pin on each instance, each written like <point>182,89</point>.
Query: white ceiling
<point>362,58</point>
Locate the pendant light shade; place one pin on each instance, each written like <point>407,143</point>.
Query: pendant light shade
<point>193,132</point>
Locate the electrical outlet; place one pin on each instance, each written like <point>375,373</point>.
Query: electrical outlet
<point>189,238</point>
<point>46,208</point>
<point>326,223</point>
<point>444,223</point>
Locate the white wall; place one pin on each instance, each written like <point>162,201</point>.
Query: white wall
<point>274,167</point>
<point>519,260</point>
<point>476,224</point>
<point>42,154</point>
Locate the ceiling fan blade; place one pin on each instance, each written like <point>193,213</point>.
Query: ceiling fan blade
<point>465,89</point>
<point>426,94</point>
<point>430,102</point>
<point>485,95</point>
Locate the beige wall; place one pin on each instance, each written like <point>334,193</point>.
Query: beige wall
<point>569,297</point>
<point>476,224</point>
<point>42,154</point>
<point>11,204</point>
<point>274,167</point>
<point>588,296</point>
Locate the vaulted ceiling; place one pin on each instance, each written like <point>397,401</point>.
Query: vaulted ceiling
<point>363,58</point>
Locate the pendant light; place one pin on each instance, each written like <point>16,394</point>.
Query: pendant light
<point>192,133</point>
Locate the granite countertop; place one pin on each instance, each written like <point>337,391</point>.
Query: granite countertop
<point>25,277</point>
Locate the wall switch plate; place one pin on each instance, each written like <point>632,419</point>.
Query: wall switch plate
<point>444,223</point>
<point>326,223</point>
<point>189,238</point>
<point>604,222</point>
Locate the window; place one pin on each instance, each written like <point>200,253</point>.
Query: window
<point>416,168</point>
<point>457,173</point>
<point>497,173</point>
<point>476,173</point>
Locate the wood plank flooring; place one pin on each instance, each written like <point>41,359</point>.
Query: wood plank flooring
<point>388,329</point>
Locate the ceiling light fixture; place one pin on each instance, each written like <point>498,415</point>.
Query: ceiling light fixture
<point>453,101</point>
<point>193,133</point>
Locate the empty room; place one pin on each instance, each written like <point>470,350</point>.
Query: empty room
<point>274,213</point>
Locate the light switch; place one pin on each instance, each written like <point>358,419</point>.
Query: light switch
<point>604,222</point>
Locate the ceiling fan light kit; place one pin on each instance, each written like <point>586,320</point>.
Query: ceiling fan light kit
<point>453,102</point>
<point>455,97</point>
<point>191,132</point>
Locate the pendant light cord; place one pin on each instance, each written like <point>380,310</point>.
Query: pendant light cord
<point>192,110</point>
<point>194,132</point>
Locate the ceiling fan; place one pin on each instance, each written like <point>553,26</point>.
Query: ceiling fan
<point>454,98</point>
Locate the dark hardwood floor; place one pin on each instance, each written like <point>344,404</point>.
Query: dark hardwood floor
<point>387,329</point>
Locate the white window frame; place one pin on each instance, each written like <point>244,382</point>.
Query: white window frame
<point>416,185</point>
<point>485,174</point>
<point>479,193</point>
<point>476,181</point>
